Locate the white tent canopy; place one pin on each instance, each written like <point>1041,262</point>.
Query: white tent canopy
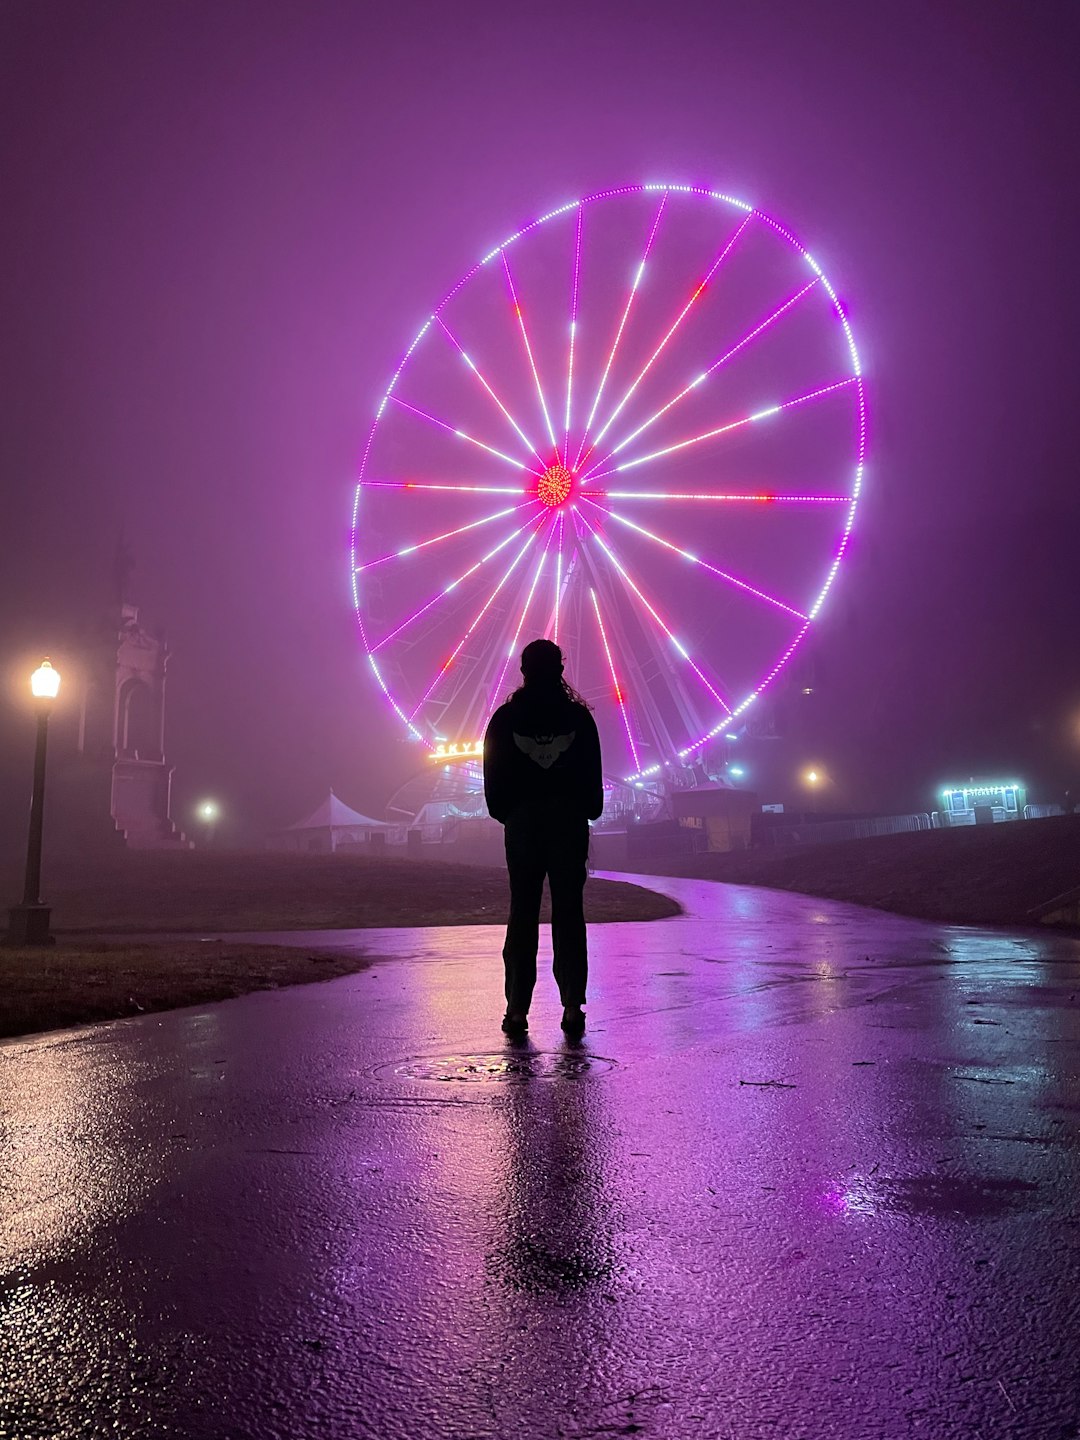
<point>331,824</point>
<point>333,813</point>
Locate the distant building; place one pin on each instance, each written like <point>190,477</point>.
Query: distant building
<point>721,815</point>
<point>982,803</point>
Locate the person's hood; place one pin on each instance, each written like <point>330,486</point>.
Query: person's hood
<point>540,706</point>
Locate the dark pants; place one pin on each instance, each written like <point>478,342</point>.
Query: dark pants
<point>539,842</point>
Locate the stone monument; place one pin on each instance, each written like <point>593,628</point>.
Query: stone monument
<point>119,783</point>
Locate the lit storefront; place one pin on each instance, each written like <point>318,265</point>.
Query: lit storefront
<point>984,803</point>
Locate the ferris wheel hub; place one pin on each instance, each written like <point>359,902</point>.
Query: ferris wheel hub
<point>554,486</point>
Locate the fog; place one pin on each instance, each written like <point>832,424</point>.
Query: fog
<point>225,222</point>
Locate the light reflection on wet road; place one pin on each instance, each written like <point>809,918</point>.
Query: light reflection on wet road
<point>813,1172</point>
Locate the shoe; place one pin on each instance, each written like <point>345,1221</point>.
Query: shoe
<point>514,1023</point>
<point>573,1020</point>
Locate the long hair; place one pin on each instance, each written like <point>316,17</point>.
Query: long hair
<point>542,674</point>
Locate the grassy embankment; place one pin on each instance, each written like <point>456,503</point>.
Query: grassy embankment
<point>86,977</point>
<point>977,875</point>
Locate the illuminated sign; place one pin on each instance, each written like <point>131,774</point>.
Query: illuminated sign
<point>470,750</point>
<point>981,792</point>
<point>1009,795</point>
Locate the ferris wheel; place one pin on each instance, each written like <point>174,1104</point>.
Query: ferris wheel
<point>637,427</point>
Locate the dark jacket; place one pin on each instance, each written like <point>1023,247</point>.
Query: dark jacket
<point>542,747</point>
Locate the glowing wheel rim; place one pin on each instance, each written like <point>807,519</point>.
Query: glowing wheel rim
<point>638,426</point>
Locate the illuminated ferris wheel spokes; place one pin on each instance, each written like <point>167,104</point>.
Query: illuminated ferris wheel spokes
<point>478,618</point>
<point>765,414</point>
<point>635,286</point>
<point>567,580</point>
<point>446,534</point>
<point>662,346</point>
<point>617,689</point>
<point>646,719</point>
<point>676,644</point>
<point>573,333</point>
<point>743,585</point>
<point>453,585</point>
<point>556,479</point>
<point>463,435</point>
<point>529,445</point>
<point>699,380</point>
<point>520,314</point>
<point>496,693</point>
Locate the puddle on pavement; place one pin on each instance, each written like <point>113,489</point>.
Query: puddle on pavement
<point>481,1069</point>
<point>973,1197</point>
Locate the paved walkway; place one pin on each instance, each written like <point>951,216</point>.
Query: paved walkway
<point>813,1173</point>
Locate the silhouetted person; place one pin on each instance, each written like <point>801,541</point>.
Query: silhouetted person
<point>542,781</point>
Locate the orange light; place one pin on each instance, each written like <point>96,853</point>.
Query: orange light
<point>554,485</point>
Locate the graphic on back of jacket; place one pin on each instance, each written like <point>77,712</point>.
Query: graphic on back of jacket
<point>544,749</point>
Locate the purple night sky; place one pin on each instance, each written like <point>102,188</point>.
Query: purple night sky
<point>224,222</point>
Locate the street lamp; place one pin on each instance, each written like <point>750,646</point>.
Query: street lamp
<point>817,782</point>
<point>208,811</point>
<point>29,922</point>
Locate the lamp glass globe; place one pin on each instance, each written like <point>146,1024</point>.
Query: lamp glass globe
<point>45,682</point>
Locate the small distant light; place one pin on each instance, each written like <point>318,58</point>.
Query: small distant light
<point>737,771</point>
<point>808,690</point>
<point>209,810</point>
<point>731,735</point>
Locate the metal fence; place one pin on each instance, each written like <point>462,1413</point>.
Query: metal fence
<point>825,831</point>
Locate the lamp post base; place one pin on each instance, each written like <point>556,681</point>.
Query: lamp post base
<point>29,925</point>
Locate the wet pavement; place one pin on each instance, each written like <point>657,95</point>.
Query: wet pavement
<point>813,1172</point>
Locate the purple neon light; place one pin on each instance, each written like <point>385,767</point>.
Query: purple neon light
<point>529,352</point>
<point>598,469</point>
<point>620,694</point>
<point>723,359</point>
<point>765,414</point>
<point>745,704</point>
<point>704,564</point>
<point>446,535</point>
<point>531,539</point>
<point>558,574</point>
<point>521,621</point>
<point>463,435</point>
<point>452,586</point>
<point>622,326</point>
<point>407,719</point>
<point>699,291</point>
<point>763,497</point>
<point>442,485</point>
<point>679,646</point>
<point>573,330</point>
<point>475,369</point>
